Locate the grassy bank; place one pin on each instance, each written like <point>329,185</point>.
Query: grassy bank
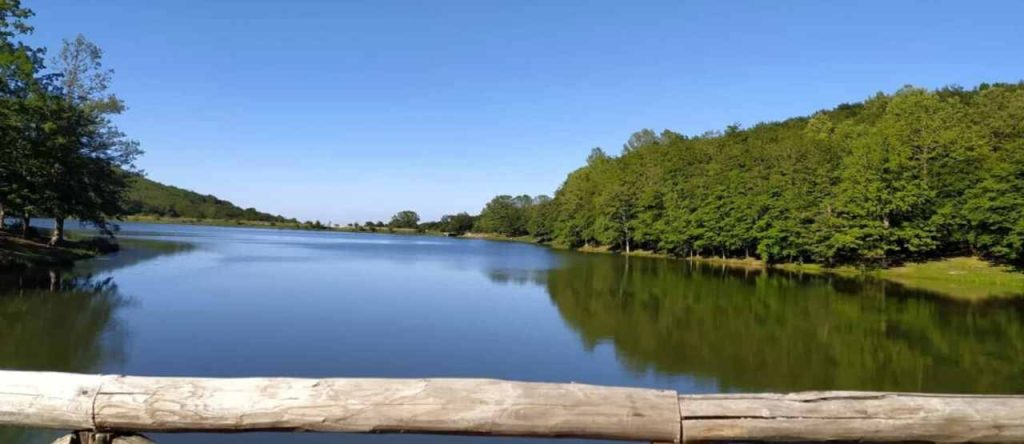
<point>498,237</point>
<point>966,277</point>
<point>16,252</point>
<point>963,278</point>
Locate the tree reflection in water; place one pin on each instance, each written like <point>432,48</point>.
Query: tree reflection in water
<point>752,330</point>
<point>51,321</point>
<point>67,320</point>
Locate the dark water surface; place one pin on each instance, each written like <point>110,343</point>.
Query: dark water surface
<point>209,301</point>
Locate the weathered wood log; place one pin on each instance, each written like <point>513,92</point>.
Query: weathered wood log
<point>853,416</point>
<point>122,404</point>
<point>453,406</point>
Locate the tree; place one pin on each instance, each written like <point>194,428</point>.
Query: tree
<point>456,223</point>
<point>543,215</point>
<point>405,219</point>
<point>19,65</point>
<point>993,210</point>
<point>505,215</point>
<point>86,159</point>
<point>640,138</point>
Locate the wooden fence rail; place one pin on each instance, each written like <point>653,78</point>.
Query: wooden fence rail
<point>125,404</point>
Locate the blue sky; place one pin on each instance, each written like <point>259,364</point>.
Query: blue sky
<point>353,110</point>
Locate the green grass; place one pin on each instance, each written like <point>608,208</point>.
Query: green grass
<point>967,278</point>
<point>963,278</point>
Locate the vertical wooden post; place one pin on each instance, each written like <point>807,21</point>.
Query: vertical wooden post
<point>91,437</point>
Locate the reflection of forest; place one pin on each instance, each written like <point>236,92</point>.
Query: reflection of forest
<point>756,331</point>
<point>65,320</point>
<point>53,322</point>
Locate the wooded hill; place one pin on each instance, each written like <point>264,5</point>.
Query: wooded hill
<point>911,175</point>
<point>147,197</point>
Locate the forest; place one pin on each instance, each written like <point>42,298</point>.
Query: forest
<point>60,153</point>
<point>911,175</point>
<point>150,198</point>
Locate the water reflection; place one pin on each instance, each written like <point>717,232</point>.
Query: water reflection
<point>66,319</point>
<point>759,331</point>
<point>52,321</point>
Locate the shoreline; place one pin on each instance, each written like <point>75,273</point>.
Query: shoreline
<point>959,278</point>
<point>159,220</point>
<point>17,253</point>
<point>143,219</point>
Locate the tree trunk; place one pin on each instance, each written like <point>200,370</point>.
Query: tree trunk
<point>26,220</point>
<point>54,280</point>
<point>58,231</point>
<point>3,217</point>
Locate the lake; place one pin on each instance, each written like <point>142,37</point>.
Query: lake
<point>215,301</point>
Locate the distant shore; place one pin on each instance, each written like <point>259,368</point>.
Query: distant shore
<point>151,219</point>
<point>962,278</point>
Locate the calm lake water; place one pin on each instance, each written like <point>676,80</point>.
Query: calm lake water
<point>210,301</point>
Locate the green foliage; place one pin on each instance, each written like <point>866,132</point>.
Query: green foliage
<point>60,153</point>
<point>456,223</point>
<point>915,174</point>
<point>505,215</point>
<point>404,219</point>
<point>146,197</point>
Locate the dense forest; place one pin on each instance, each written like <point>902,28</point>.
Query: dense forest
<point>146,197</point>
<point>915,174</point>
<point>60,153</point>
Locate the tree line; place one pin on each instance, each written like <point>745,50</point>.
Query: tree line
<point>60,153</point>
<point>911,175</point>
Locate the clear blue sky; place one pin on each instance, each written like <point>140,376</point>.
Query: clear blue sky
<point>353,110</point>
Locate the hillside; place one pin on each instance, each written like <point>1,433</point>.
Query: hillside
<point>150,198</point>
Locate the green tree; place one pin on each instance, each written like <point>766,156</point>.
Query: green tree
<point>19,65</point>
<point>542,218</point>
<point>910,175</point>
<point>506,215</point>
<point>85,159</point>
<point>405,219</point>
<point>456,223</point>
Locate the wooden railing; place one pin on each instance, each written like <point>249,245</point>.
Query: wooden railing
<point>107,406</point>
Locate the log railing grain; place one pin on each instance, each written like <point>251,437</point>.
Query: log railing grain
<point>122,405</point>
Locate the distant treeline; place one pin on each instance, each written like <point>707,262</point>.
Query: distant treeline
<point>60,154</point>
<point>146,197</point>
<point>912,175</point>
